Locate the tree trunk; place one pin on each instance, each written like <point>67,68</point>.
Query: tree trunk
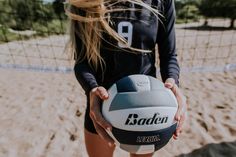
<point>205,23</point>
<point>232,23</point>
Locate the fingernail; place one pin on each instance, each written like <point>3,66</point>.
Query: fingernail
<point>109,128</point>
<point>177,133</point>
<point>174,137</point>
<point>168,85</point>
<point>110,144</point>
<point>178,118</point>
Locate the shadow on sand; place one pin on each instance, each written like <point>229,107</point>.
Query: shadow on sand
<point>224,149</point>
<point>208,28</point>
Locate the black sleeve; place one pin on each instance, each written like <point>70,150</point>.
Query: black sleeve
<point>169,66</point>
<point>83,72</point>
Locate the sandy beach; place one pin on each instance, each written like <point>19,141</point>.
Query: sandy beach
<point>42,116</point>
<point>41,113</point>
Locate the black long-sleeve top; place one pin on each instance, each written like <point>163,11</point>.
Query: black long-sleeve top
<point>143,30</point>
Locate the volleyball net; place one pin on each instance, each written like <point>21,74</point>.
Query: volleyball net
<point>41,46</point>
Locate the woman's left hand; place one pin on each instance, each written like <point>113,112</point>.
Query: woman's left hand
<point>180,115</point>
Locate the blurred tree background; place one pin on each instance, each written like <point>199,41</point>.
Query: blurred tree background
<point>47,18</point>
<point>218,9</point>
<point>35,15</point>
<point>187,11</point>
<point>193,10</point>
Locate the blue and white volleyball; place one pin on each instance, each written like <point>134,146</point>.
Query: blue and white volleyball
<point>141,110</point>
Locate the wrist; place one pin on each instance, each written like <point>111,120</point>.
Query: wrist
<point>170,80</point>
<point>174,80</point>
<point>93,91</point>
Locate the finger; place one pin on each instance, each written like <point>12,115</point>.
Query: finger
<point>169,83</point>
<point>175,137</point>
<point>182,103</point>
<point>178,96</point>
<point>182,109</point>
<point>176,134</point>
<point>97,116</point>
<point>102,133</point>
<point>179,127</point>
<point>178,131</point>
<point>102,93</point>
<point>101,121</point>
<point>181,122</point>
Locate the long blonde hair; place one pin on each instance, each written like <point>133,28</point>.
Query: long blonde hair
<point>92,17</point>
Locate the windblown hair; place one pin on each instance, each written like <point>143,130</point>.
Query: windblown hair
<point>89,19</point>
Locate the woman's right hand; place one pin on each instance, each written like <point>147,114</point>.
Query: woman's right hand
<point>97,95</point>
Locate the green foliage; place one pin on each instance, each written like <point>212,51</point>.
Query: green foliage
<point>6,35</point>
<point>59,9</point>
<point>187,10</point>
<point>53,27</point>
<point>218,8</point>
<point>57,27</point>
<point>44,18</point>
<point>25,12</point>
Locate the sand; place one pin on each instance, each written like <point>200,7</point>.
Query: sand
<point>41,115</point>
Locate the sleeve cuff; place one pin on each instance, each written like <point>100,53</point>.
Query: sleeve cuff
<point>176,78</point>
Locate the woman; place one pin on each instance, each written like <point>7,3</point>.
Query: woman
<point>115,38</point>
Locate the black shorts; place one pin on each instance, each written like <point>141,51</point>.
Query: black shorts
<point>88,123</point>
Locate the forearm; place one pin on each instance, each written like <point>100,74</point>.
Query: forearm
<point>169,68</point>
<point>85,77</point>
<point>166,40</point>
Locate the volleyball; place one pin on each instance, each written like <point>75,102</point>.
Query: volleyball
<point>141,111</point>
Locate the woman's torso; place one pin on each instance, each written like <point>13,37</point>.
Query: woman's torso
<point>140,30</point>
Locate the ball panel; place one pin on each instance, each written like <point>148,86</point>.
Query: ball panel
<point>131,148</point>
<point>141,110</point>
<point>142,119</point>
<point>106,104</point>
<point>133,83</point>
<point>125,85</point>
<point>138,149</point>
<point>157,137</point>
<point>156,84</point>
<point>142,99</point>
<point>172,96</point>
<point>146,149</point>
